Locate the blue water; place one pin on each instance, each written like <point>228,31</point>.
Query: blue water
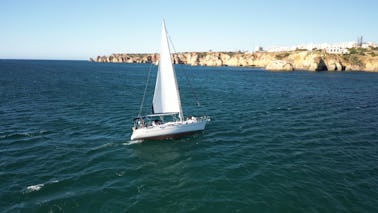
<point>277,142</point>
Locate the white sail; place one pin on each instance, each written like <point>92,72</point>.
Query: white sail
<point>166,96</point>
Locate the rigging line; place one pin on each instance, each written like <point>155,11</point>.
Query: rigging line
<point>145,90</point>
<point>185,74</point>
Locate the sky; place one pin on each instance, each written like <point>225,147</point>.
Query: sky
<point>79,29</point>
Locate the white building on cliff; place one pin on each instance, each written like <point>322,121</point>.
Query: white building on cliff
<point>335,48</point>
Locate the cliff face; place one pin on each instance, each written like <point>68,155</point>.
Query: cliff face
<point>280,61</point>
<point>128,58</point>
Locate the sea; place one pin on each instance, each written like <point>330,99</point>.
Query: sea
<point>277,141</point>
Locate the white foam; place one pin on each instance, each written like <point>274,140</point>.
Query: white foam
<point>132,142</point>
<point>34,187</point>
<point>38,187</point>
<point>120,174</point>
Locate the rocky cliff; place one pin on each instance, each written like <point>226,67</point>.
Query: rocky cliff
<point>279,61</point>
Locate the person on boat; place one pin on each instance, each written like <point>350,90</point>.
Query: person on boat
<point>192,118</point>
<point>140,123</point>
<point>156,122</point>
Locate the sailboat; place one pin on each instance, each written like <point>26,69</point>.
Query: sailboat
<point>167,119</point>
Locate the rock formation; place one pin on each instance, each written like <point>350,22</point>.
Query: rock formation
<point>285,61</point>
<point>279,65</point>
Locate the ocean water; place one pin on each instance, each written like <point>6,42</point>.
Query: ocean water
<point>277,142</point>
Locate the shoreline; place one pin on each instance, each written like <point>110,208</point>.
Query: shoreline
<point>315,60</point>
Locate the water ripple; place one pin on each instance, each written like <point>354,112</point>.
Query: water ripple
<point>288,142</point>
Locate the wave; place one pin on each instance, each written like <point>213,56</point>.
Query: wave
<point>34,188</point>
<point>18,135</point>
<point>37,187</point>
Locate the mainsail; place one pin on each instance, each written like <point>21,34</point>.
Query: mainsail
<point>166,96</point>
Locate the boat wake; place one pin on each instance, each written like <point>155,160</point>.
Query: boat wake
<point>102,146</point>
<point>132,142</point>
<point>17,135</point>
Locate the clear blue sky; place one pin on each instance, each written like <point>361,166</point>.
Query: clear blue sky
<point>78,29</point>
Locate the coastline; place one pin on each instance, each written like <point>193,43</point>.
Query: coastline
<point>314,60</point>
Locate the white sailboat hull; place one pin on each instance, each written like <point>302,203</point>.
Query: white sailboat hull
<point>168,130</point>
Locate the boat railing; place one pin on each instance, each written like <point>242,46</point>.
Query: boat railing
<point>147,122</point>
